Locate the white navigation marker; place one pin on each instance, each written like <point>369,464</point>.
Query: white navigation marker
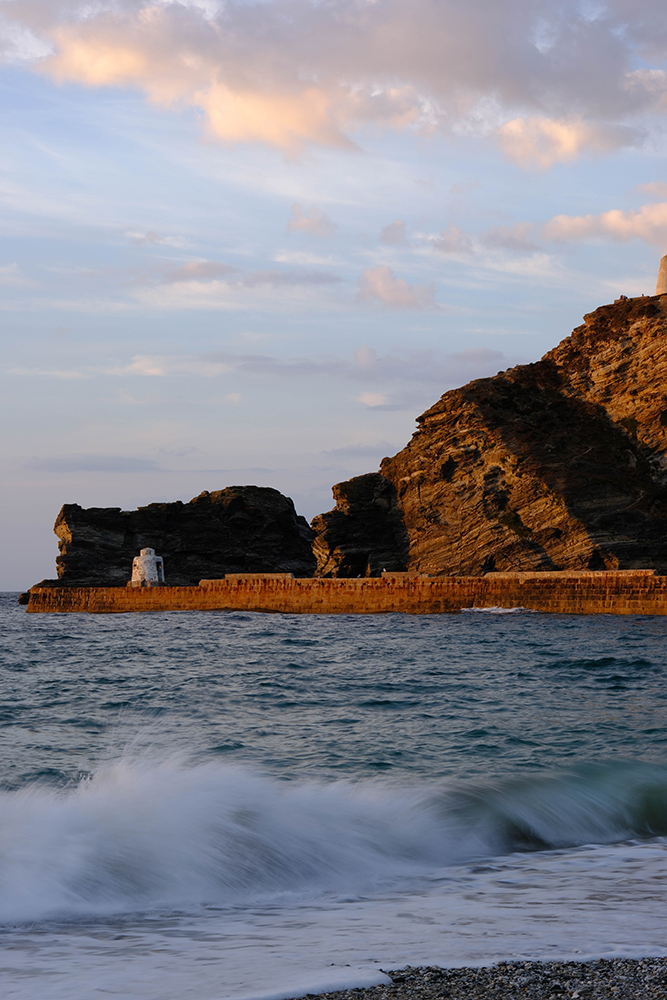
<point>147,569</point>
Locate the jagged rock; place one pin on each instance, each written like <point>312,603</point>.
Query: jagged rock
<point>561,464</point>
<point>240,529</point>
<point>365,533</point>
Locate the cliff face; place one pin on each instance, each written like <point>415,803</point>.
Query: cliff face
<point>365,532</point>
<point>241,529</point>
<point>560,464</point>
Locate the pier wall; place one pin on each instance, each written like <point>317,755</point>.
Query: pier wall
<point>625,592</point>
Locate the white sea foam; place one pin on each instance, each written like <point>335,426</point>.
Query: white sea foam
<point>140,835</point>
<point>583,903</point>
<point>499,611</point>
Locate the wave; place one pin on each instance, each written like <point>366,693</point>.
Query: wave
<point>499,611</point>
<point>139,835</point>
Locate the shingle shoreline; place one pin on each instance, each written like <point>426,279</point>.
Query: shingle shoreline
<point>604,979</point>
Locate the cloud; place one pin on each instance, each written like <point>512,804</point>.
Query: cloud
<point>542,142</point>
<point>516,238</point>
<point>316,223</point>
<point>393,234</point>
<point>652,82</point>
<point>429,367</point>
<point>301,257</point>
<point>379,284</point>
<point>92,463</point>
<point>290,278</point>
<point>165,365</point>
<point>373,399</point>
<point>649,223</point>
<point>200,280</point>
<point>451,240</point>
<point>10,275</point>
<point>293,72</point>
<point>655,189</point>
<point>50,373</point>
<point>199,270</point>
<point>151,237</point>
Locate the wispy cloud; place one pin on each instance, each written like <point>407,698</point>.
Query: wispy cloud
<point>314,223</point>
<point>91,463</point>
<point>516,238</point>
<point>393,234</point>
<point>63,373</point>
<point>431,367</point>
<point>451,240</point>
<point>12,277</point>
<point>151,238</point>
<point>373,399</point>
<point>655,189</point>
<point>379,285</point>
<point>213,271</point>
<point>199,270</point>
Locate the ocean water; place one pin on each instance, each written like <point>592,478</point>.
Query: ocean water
<point>224,806</point>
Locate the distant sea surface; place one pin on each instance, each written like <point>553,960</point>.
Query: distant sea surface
<point>217,806</point>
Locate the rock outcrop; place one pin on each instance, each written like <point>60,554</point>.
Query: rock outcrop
<point>240,529</point>
<point>561,464</point>
<point>365,533</point>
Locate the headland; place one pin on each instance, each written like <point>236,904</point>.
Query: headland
<point>544,486</point>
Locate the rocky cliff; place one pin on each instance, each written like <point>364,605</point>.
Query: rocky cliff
<point>365,533</point>
<point>561,464</point>
<point>241,529</point>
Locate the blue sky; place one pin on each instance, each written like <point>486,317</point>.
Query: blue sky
<point>249,243</point>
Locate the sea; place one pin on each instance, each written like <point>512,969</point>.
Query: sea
<point>231,806</point>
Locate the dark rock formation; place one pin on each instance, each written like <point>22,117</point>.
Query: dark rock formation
<point>241,529</point>
<point>365,532</point>
<point>561,464</point>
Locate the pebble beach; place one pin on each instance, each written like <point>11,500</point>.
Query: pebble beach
<point>634,979</point>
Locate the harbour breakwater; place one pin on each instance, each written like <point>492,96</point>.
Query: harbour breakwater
<point>617,592</point>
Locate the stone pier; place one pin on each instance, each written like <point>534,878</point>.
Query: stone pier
<point>615,592</point>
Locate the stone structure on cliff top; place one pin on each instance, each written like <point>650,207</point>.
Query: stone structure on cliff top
<point>241,529</point>
<point>561,464</point>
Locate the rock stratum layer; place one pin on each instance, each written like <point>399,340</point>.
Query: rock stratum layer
<point>241,529</point>
<point>561,464</point>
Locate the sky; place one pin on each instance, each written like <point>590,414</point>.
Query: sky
<point>249,242</point>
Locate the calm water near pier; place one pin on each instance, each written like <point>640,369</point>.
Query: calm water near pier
<point>223,805</point>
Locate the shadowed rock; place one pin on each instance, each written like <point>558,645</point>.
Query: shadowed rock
<point>365,532</point>
<point>241,529</point>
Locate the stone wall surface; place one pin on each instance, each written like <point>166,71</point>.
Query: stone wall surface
<point>638,592</point>
<point>561,464</point>
<point>237,529</point>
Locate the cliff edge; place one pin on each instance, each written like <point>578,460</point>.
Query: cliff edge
<point>561,464</point>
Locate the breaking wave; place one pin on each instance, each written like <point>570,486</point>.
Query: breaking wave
<point>139,835</point>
